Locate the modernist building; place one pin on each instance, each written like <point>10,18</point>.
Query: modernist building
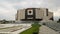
<point>34,14</point>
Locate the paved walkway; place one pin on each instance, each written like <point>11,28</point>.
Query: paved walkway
<point>47,30</point>
<point>14,29</point>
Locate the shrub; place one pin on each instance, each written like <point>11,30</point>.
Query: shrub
<point>44,24</point>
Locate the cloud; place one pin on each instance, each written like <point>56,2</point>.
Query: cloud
<point>7,11</point>
<point>8,8</point>
<point>28,3</point>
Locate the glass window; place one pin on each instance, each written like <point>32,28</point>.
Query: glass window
<point>29,11</point>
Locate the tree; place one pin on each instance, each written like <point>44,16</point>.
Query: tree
<point>58,21</point>
<point>3,21</point>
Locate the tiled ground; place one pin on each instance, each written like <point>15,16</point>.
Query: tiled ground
<point>14,28</point>
<point>46,30</point>
<point>53,25</point>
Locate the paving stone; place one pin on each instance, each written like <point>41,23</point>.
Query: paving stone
<point>46,30</point>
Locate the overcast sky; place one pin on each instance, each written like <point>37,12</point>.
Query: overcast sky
<point>8,8</point>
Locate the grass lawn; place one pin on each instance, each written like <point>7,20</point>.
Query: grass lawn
<point>33,30</point>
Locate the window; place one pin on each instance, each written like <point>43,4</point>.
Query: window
<point>46,12</point>
<point>29,11</point>
<point>51,18</point>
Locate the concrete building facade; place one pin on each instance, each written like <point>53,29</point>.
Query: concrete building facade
<point>34,14</point>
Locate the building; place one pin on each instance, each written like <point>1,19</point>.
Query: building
<point>34,14</point>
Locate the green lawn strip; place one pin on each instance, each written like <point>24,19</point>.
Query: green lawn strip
<point>33,29</point>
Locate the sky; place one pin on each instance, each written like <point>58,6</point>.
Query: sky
<point>8,8</point>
